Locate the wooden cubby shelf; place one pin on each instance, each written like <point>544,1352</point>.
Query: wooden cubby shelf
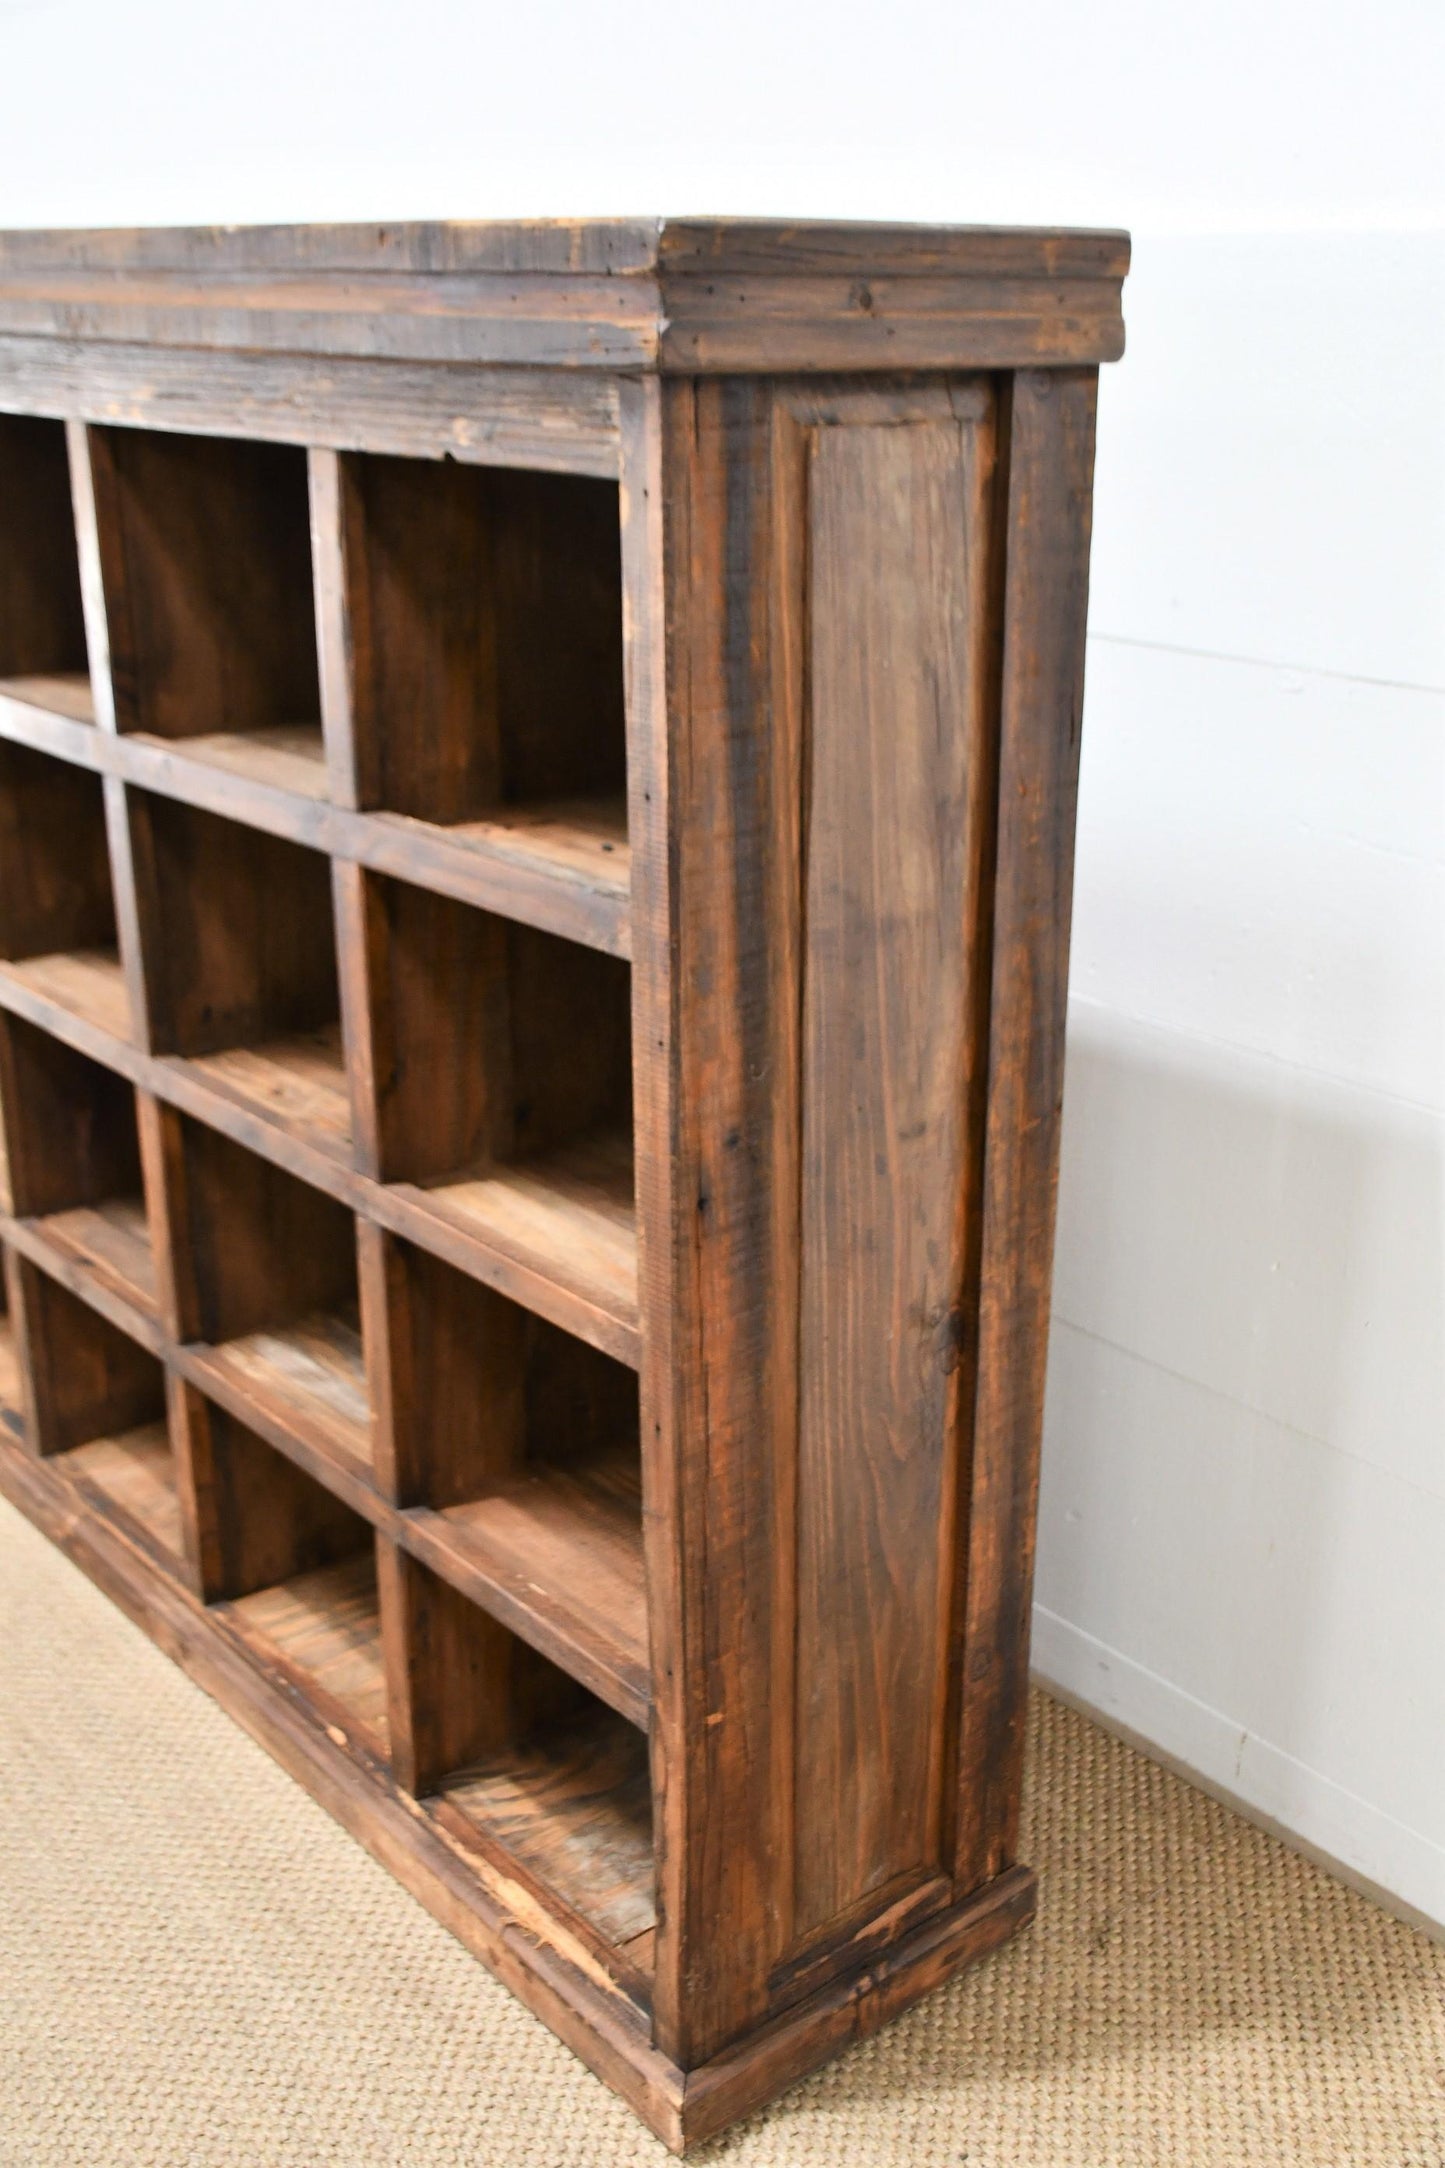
<point>43,661</point>
<point>537,779</point>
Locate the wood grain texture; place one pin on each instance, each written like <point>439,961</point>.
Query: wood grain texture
<point>604,295</point>
<point>561,865</point>
<point>254,1520</point>
<point>898,679</point>
<point>234,930</point>
<point>471,635</point>
<point>556,888</point>
<point>1051,465</point>
<point>203,552</point>
<point>559,421</point>
<point>715,902</point>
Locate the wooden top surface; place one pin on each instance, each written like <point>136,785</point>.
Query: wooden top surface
<point>681,295</point>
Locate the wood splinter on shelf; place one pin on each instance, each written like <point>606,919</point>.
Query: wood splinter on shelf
<point>537,780</point>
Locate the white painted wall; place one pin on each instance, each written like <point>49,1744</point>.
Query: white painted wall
<point>1243,1544</point>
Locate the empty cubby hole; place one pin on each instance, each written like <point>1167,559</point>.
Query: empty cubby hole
<point>95,1403</point>
<point>205,556</point>
<point>296,1566</point>
<point>475,1394</point>
<point>534,1761</point>
<point>55,886</point>
<point>492,1044</point>
<point>73,1157</point>
<point>485,652</point>
<point>263,1270</point>
<point>238,951</point>
<point>42,626</point>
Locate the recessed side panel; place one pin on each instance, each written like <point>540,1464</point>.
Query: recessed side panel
<point>899,678</point>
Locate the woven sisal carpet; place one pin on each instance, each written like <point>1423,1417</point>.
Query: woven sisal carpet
<point>199,1970</point>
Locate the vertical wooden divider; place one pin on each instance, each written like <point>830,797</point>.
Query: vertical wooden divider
<point>90,487</point>
<point>335,539</point>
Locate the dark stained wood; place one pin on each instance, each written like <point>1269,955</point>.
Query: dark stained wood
<point>556,1235</point>
<point>446,1360</point>
<point>898,526</point>
<point>471,635</point>
<point>563,866</point>
<point>203,551</point>
<point>55,888</point>
<point>478,1041</point>
<point>718,1014</point>
<point>559,422</point>
<point>448,1674</point>
<point>42,628</point>
<point>134,1476</point>
<point>70,1125</point>
<point>684,295</point>
<point>533,939</point>
<point>81,1378</point>
<point>251,1249</point>
<point>1051,467</point>
<point>254,1520</point>
<point>234,929</point>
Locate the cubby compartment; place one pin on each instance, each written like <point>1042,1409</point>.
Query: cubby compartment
<point>295,1567</point>
<point>95,1408</point>
<point>238,952</point>
<point>205,559</point>
<point>42,625</point>
<point>523,1758</point>
<point>481,672</point>
<point>73,1161</point>
<point>57,904</point>
<point>516,1446</point>
<point>263,1272</point>
<point>497,1076</point>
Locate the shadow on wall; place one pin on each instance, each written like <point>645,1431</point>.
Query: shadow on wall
<point>1244,1474</point>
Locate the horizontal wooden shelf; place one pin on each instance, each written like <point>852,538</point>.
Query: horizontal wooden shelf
<point>573,1807</point>
<point>556,1555</point>
<point>59,692</point>
<point>324,1626</point>
<point>557,1235</point>
<point>109,1242</point>
<point>297,1083</point>
<point>564,867</point>
<point>308,1377</point>
<point>135,1475</point>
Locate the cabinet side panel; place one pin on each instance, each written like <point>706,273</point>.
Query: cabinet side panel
<point>1051,469</point>
<point>899,673</point>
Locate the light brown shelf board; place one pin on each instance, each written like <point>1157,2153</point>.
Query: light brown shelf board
<point>557,1557</point>
<point>298,1083</point>
<point>565,868</point>
<point>136,1475</point>
<point>84,985</point>
<point>289,757</point>
<point>571,1214</point>
<point>110,1241</point>
<point>324,1625</point>
<point>58,692</point>
<point>531,1946</point>
<point>557,1236</point>
<point>574,1807</point>
<point>309,1377</point>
